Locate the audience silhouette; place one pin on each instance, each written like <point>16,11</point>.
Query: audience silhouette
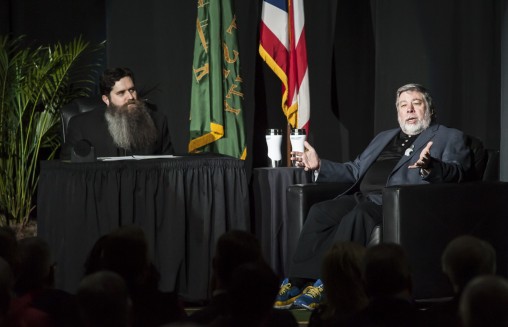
<point>252,290</point>
<point>365,286</point>
<point>125,252</point>
<point>387,277</point>
<point>484,302</point>
<point>36,301</point>
<point>103,300</point>
<point>235,249</point>
<point>9,247</point>
<point>345,291</point>
<point>463,259</point>
<point>6,284</point>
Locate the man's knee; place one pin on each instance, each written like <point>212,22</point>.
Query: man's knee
<point>321,214</point>
<point>329,213</point>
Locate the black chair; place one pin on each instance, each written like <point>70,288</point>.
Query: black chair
<point>424,218</point>
<point>75,107</point>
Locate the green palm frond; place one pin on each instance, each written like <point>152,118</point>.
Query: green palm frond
<point>34,84</point>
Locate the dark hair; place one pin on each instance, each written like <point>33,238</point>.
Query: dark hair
<point>386,270</point>
<point>35,265</point>
<point>252,291</point>
<point>112,75</point>
<point>341,270</point>
<point>234,248</point>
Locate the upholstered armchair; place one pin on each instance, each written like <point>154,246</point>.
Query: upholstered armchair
<point>424,218</point>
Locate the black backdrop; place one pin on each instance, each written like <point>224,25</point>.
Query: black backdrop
<point>359,52</point>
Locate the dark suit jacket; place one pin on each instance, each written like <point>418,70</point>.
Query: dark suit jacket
<point>93,127</point>
<point>451,159</point>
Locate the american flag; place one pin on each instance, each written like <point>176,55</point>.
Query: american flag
<point>283,47</point>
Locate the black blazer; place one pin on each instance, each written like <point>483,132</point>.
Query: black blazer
<point>451,160</point>
<point>93,127</point>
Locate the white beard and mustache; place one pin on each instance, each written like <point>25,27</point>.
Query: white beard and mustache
<point>131,129</point>
<point>420,126</point>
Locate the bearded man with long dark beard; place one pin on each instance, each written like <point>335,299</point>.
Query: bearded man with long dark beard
<point>131,125</point>
<point>126,127</point>
<point>419,151</point>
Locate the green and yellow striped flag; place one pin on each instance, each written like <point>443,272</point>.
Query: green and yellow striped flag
<point>216,115</point>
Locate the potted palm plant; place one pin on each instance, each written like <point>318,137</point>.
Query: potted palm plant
<point>34,84</point>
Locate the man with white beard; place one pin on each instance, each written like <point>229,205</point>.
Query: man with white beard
<point>419,151</point>
<point>126,127</point>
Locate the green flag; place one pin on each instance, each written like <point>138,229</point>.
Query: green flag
<point>216,117</point>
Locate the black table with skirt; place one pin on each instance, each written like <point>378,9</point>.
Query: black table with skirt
<point>277,232</point>
<point>183,204</point>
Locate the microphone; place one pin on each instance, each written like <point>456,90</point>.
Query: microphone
<point>409,150</point>
<point>83,151</point>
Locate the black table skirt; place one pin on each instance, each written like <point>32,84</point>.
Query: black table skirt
<point>277,232</point>
<point>183,205</point>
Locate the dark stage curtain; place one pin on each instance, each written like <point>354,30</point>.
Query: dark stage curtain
<point>182,204</point>
<point>453,48</point>
<point>359,51</point>
<point>504,92</point>
<point>157,42</point>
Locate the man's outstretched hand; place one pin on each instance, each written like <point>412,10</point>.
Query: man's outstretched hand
<point>309,159</point>
<point>424,160</point>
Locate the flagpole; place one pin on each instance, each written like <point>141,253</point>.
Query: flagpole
<point>283,46</point>
<point>288,145</point>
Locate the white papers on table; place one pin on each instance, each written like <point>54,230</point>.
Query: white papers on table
<point>136,157</point>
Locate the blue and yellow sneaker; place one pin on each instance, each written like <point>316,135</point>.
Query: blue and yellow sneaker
<point>287,295</point>
<point>311,296</point>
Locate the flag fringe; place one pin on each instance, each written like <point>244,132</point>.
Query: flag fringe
<point>290,112</point>
<point>216,132</point>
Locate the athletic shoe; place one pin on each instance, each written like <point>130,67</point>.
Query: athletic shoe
<point>287,295</point>
<point>311,296</point>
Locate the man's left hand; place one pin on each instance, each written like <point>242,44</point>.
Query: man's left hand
<point>424,160</point>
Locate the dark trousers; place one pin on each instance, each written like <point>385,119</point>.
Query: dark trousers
<point>345,218</point>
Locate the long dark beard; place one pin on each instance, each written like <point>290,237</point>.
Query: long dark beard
<point>131,129</point>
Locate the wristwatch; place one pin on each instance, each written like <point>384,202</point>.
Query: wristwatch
<point>424,172</point>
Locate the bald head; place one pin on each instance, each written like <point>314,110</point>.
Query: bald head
<point>466,257</point>
<point>103,300</point>
<point>484,302</point>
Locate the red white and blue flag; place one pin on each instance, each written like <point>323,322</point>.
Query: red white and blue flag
<point>283,47</point>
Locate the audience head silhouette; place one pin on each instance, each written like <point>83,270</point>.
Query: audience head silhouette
<point>245,286</point>
<point>466,257</point>
<point>9,247</point>
<point>95,259</point>
<point>252,290</point>
<point>6,283</point>
<point>386,271</point>
<point>345,290</point>
<point>35,265</point>
<point>125,251</point>
<point>103,300</point>
<point>484,302</point>
<point>233,249</point>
